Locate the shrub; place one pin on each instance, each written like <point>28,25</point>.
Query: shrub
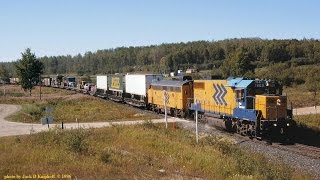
<point>75,141</point>
<point>149,124</point>
<point>105,156</point>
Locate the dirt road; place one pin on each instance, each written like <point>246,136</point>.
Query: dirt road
<point>307,110</point>
<point>14,128</point>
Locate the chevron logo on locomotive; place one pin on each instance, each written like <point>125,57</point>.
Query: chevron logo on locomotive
<point>219,94</point>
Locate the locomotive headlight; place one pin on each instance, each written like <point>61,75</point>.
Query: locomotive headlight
<point>288,124</point>
<point>278,102</point>
<point>275,125</point>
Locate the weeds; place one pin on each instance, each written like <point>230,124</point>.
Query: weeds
<point>17,140</point>
<point>105,156</point>
<point>90,109</point>
<point>307,130</point>
<point>149,124</point>
<point>138,151</point>
<point>76,141</point>
<point>311,120</point>
<point>299,96</point>
<point>84,109</point>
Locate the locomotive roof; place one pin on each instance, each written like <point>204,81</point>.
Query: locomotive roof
<point>244,83</point>
<point>169,83</point>
<point>239,83</point>
<point>145,74</point>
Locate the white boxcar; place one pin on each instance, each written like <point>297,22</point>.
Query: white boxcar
<point>138,84</point>
<point>102,82</point>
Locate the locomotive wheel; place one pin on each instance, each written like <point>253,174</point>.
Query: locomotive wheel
<point>175,113</point>
<point>182,114</point>
<point>238,127</point>
<point>187,114</point>
<point>171,112</point>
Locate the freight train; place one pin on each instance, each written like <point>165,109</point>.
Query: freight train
<point>255,108</point>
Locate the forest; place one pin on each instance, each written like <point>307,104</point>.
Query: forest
<point>288,61</point>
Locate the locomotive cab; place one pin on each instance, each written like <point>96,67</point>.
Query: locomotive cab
<point>264,100</point>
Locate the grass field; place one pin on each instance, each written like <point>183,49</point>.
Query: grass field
<point>300,97</point>
<point>68,106</point>
<point>308,129</point>
<point>146,151</point>
<point>82,109</point>
<point>15,95</point>
<point>311,120</point>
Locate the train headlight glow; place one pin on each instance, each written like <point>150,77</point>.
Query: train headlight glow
<point>275,125</point>
<point>288,124</point>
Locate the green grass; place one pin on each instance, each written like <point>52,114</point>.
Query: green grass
<point>136,152</point>
<point>29,113</point>
<point>82,109</point>
<point>11,94</point>
<point>90,109</point>
<point>308,129</point>
<point>311,120</point>
<point>52,91</point>
<point>67,106</point>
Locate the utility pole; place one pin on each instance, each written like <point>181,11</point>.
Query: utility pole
<point>197,133</point>
<point>165,99</point>
<point>4,89</point>
<point>40,84</point>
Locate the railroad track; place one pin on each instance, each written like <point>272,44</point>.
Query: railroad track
<point>296,148</point>
<point>305,150</point>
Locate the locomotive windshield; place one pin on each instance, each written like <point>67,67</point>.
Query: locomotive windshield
<point>260,87</point>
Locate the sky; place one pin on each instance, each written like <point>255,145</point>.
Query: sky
<point>61,27</point>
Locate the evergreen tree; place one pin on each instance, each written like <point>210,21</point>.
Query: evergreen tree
<point>29,70</point>
<point>4,74</point>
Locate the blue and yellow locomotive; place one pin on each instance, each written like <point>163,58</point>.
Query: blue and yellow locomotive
<point>250,107</point>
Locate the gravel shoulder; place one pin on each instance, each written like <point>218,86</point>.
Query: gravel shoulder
<point>306,110</point>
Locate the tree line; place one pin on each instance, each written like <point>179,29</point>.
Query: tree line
<point>250,57</point>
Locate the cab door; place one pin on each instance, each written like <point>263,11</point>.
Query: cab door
<point>240,98</point>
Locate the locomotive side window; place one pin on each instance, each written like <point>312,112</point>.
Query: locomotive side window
<point>177,89</point>
<point>198,85</point>
<point>240,95</point>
